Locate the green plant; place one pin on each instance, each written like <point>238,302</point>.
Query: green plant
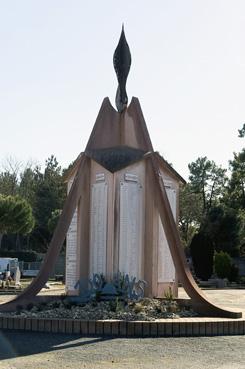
<point>98,296</point>
<point>242,280</point>
<point>15,216</point>
<point>222,264</point>
<point>119,305</point>
<point>172,307</point>
<point>168,294</point>
<point>138,308</point>
<point>23,255</point>
<point>116,305</point>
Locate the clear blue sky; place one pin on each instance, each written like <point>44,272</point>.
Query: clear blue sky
<point>188,70</point>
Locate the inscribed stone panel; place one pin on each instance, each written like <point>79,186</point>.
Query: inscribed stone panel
<point>98,228</point>
<point>166,269</point>
<point>71,254</point>
<point>131,228</point>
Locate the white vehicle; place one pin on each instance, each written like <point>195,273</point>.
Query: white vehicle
<point>8,264</point>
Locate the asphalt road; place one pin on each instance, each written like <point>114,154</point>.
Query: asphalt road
<point>26,350</point>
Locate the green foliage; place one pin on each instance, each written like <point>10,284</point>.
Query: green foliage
<point>116,305</point>
<point>29,180</point>
<point>50,195</point>
<point>222,264</point>
<point>241,216</point>
<point>168,295</point>
<point>223,203</point>
<point>208,180</point>
<point>235,196</point>
<point>15,215</point>
<point>223,225</point>
<point>23,255</point>
<point>44,191</point>
<point>190,214</point>
<point>9,176</point>
<point>53,220</point>
<point>8,184</point>
<point>242,131</point>
<point>202,252</point>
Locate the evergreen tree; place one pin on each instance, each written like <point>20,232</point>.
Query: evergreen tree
<point>49,196</point>
<point>15,216</point>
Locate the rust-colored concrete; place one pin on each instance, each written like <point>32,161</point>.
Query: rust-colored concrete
<point>113,129</point>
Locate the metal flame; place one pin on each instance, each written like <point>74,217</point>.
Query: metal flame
<point>122,63</point>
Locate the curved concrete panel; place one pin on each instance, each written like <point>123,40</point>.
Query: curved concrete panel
<point>199,301</point>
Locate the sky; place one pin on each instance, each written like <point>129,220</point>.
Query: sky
<point>188,71</point>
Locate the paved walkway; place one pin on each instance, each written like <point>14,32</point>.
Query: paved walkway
<point>53,290</point>
<point>233,299</point>
<point>27,350</point>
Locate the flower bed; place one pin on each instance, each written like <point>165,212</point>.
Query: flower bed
<point>144,310</point>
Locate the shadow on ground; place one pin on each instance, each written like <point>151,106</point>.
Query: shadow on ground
<point>15,344</point>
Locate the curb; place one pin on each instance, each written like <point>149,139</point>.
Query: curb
<point>183,328</point>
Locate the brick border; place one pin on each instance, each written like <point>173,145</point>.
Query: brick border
<point>176,328</point>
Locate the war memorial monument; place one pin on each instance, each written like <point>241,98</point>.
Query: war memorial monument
<point>121,211</point>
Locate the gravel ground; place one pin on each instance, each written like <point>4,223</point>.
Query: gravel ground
<point>23,350</point>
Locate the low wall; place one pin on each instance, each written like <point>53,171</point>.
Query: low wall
<point>176,328</point>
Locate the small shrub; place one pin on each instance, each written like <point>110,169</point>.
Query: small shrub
<point>160,309</point>
<point>146,301</point>
<point>242,280</point>
<point>222,264</point>
<point>172,307</point>
<point>138,308</point>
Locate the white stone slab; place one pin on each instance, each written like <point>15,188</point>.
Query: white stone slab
<point>130,177</point>
<point>166,269</point>
<point>131,228</point>
<point>100,177</point>
<point>71,254</point>
<point>98,228</point>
